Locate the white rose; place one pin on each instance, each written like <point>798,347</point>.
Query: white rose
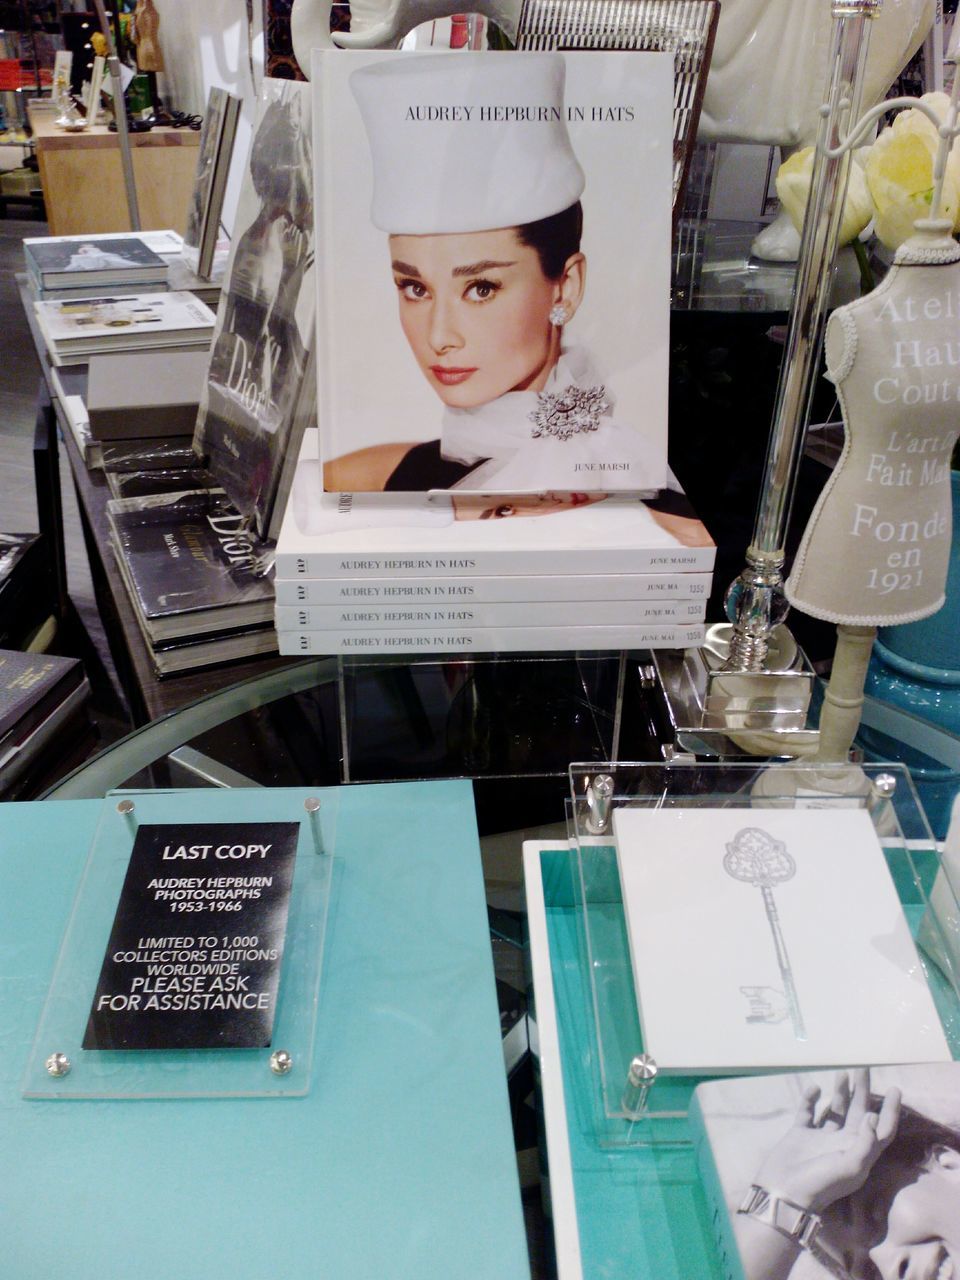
<point>793,189</point>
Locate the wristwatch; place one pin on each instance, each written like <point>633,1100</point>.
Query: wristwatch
<point>791,1220</point>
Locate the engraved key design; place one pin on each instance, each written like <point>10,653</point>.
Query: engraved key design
<point>756,858</point>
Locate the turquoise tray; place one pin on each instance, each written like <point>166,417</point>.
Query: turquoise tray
<point>640,1209</point>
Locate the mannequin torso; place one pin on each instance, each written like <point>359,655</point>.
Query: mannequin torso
<point>877,546</point>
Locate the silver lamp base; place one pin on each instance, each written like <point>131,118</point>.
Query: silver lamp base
<point>733,714</point>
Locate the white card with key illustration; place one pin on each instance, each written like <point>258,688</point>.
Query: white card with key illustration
<point>770,938</point>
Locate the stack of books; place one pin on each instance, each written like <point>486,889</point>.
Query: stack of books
<point>75,330</point>
<point>42,701</point>
<point>68,267</point>
<point>197,580</point>
<point>376,573</point>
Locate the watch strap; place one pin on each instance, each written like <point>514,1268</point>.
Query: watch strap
<point>791,1220</point>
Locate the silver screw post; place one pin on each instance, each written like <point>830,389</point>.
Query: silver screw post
<point>281,1063</point>
<point>599,800</point>
<point>641,1076</point>
<point>58,1064</point>
<point>312,806</point>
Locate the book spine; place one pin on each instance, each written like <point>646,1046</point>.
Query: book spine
<point>718,1216</point>
<point>513,561</point>
<point>490,639</point>
<point>550,613</point>
<point>553,586</point>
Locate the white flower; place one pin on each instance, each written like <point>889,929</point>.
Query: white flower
<point>899,169</point>
<point>793,188</point>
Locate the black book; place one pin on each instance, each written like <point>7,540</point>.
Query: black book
<point>26,587</point>
<point>62,262</point>
<point>189,564</point>
<point>61,743</point>
<point>157,454</point>
<point>139,484</point>
<point>15,549</point>
<point>234,645</point>
<point>261,388</point>
<point>31,687</point>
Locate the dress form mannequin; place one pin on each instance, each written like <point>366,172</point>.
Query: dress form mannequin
<point>884,517</point>
<point>146,22</point>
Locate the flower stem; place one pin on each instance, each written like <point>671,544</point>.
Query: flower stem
<point>867,281</point>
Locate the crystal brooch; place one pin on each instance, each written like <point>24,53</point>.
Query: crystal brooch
<point>570,412</point>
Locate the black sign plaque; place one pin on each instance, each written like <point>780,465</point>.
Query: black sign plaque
<point>194,956</point>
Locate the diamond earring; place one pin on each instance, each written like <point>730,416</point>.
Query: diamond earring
<point>559,315</point>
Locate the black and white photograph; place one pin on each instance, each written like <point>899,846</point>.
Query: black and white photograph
<point>494,281</point>
<point>258,393</point>
<point>853,1174</point>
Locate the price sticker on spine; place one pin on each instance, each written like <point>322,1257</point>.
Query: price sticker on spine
<point>194,956</point>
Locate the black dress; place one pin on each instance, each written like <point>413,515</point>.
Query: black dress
<point>423,468</point>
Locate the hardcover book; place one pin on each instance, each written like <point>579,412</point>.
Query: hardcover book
<point>466,613</point>
<point>233,645</point>
<point>800,1150</point>
<point>646,588</point>
<point>466,639</point>
<point>261,388</point>
<point>210,183</point>
<point>787,908</point>
<point>169,452</point>
<point>31,685</point>
<point>134,394</point>
<point>78,425</point>
<point>457,536</point>
<point>188,564</point>
<point>26,587</point>
<point>91,291</point>
<point>14,551</point>
<point>140,484</point>
<point>75,330</point>
<point>165,242</point>
<point>47,742</point>
<point>83,261</point>
<point>494,278</point>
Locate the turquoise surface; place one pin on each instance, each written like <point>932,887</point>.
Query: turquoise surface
<point>399,1163</point>
<point>214,1073</point>
<point>641,1211</point>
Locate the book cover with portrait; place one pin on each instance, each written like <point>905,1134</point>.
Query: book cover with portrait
<point>260,391</point>
<point>494,270</point>
<point>850,1174</point>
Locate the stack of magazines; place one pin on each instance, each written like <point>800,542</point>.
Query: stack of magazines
<point>197,580</point>
<point>374,573</point>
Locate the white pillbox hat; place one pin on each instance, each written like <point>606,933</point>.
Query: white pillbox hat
<point>466,142</point>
